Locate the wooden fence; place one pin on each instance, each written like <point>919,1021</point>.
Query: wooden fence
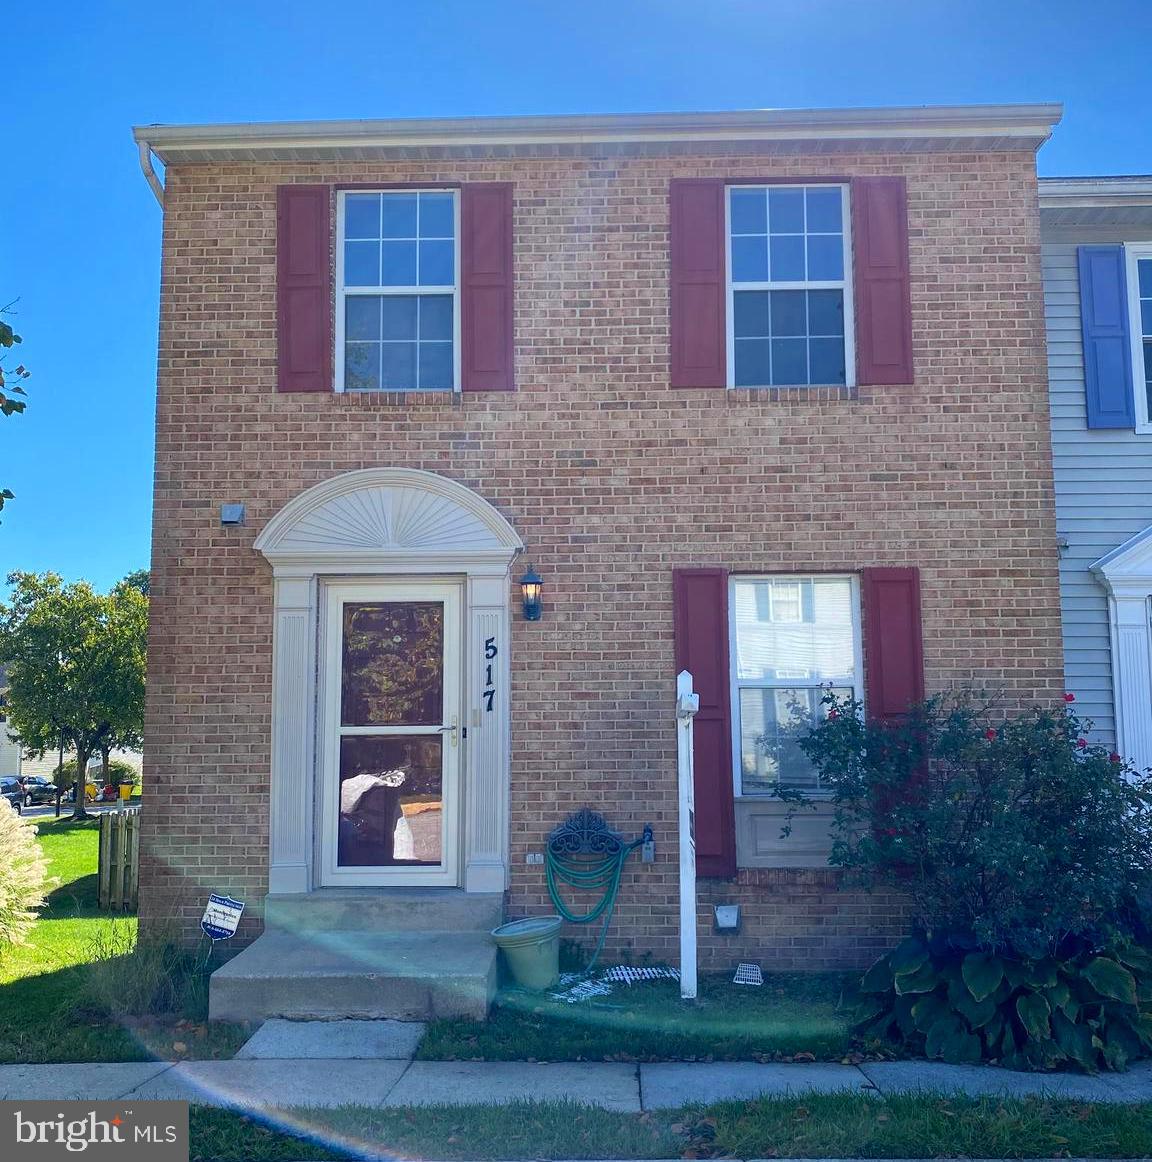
<point>119,874</point>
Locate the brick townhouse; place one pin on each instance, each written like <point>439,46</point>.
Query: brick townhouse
<point>760,395</point>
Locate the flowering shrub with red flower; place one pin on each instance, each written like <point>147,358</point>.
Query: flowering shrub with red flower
<point>1025,852</point>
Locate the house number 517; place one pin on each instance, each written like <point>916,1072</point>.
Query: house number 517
<point>490,652</point>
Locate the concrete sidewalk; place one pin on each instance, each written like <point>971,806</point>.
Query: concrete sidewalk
<point>282,1083</point>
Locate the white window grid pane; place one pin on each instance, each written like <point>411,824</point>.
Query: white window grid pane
<point>382,290</point>
<point>843,284</point>
<point>804,234</point>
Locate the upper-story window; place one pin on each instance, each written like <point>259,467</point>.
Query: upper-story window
<point>1140,307</point>
<point>397,316</point>
<point>789,286</point>
<point>792,638</point>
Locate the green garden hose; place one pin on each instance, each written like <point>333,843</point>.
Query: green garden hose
<point>589,874</point>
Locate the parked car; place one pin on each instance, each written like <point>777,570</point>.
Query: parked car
<point>11,790</point>
<point>38,789</point>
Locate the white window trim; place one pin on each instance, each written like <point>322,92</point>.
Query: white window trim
<point>736,684</point>
<point>342,292</point>
<point>847,286</point>
<point>1133,253</point>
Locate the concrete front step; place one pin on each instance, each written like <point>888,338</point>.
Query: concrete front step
<point>327,975</point>
<point>385,910</point>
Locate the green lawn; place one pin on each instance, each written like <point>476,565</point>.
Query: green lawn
<point>819,1126</point>
<point>790,1015</point>
<point>73,992</point>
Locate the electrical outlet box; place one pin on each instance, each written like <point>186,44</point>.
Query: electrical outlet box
<point>534,857</point>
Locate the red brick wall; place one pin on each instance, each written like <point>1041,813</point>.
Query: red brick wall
<point>611,478</point>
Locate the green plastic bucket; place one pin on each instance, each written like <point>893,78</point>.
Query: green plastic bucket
<point>531,950</point>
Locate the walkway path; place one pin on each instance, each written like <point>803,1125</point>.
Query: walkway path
<point>280,1083</point>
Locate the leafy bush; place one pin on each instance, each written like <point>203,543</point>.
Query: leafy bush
<point>1025,853</point>
<point>24,878</point>
<point>119,772</point>
<point>1084,1010</point>
<point>1009,834</point>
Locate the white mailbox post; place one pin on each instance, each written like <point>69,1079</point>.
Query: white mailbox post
<point>687,703</point>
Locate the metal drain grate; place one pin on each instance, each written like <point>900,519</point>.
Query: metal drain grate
<point>748,974</point>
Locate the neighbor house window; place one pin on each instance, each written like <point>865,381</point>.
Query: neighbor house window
<point>1140,307</point>
<point>397,306</point>
<point>793,639</point>
<point>789,286</point>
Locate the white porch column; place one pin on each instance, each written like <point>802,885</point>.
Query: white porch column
<point>1132,673</point>
<point>489,735</point>
<point>293,715</point>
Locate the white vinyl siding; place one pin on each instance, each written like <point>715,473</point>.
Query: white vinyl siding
<point>1103,480</point>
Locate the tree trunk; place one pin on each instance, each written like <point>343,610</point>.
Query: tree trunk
<point>78,811</point>
<point>104,760</point>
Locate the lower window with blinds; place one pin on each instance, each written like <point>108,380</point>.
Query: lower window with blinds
<point>793,638</point>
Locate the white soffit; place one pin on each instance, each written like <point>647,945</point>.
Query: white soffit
<point>929,127</point>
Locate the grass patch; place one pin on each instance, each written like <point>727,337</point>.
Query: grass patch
<point>814,1127</point>
<point>791,1015</point>
<point>80,990</point>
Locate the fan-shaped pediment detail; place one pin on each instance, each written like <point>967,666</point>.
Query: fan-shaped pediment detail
<point>385,510</point>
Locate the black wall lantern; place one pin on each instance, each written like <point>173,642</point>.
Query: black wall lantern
<point>530,586</point>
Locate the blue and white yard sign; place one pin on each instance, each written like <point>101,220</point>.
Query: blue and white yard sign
<point>221,917</point>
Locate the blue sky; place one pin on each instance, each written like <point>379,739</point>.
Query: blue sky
<point>80,231</point>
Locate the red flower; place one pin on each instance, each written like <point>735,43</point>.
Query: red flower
<point>833,715</point>
<point>1082,743</point>
<point>1069,697</point>
<point>990,735</point>
<point>1114,758</point>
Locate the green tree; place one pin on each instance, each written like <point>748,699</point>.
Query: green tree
<point>139,579</point>
<point>9,390</point>
<point>75,661</point>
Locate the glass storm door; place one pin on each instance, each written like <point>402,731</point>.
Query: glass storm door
<point>390,754</point>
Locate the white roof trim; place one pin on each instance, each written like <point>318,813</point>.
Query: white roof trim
<point>1026,125</point>
<point>1104,191</point>
<point>1127,564</point>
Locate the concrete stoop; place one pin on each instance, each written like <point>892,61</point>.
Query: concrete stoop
<point>365,954</point>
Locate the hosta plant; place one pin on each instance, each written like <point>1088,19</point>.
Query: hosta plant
<point>1092,1010</point>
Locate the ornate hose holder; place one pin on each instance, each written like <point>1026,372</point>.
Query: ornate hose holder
<point>585,854</point>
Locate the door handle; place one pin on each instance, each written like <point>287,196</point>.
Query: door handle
<point>452,731</point>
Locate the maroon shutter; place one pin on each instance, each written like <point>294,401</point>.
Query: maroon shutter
<point>893,648</point>
<point>696,325</point>
<point>304,288</point>
<point>700,599</point>
<point>882,285</point>
<point>486,290</point>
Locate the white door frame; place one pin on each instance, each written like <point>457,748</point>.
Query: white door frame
<point>330,732</point>
<point>389,523</point>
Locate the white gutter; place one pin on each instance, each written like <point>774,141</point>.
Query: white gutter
<point>1104,191</point>
<point>149,172</point>
<point>1026,123</point>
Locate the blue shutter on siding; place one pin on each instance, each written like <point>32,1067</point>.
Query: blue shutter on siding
<point>1107,345</point>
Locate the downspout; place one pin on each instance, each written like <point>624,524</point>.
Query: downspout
<point>149,172</point>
